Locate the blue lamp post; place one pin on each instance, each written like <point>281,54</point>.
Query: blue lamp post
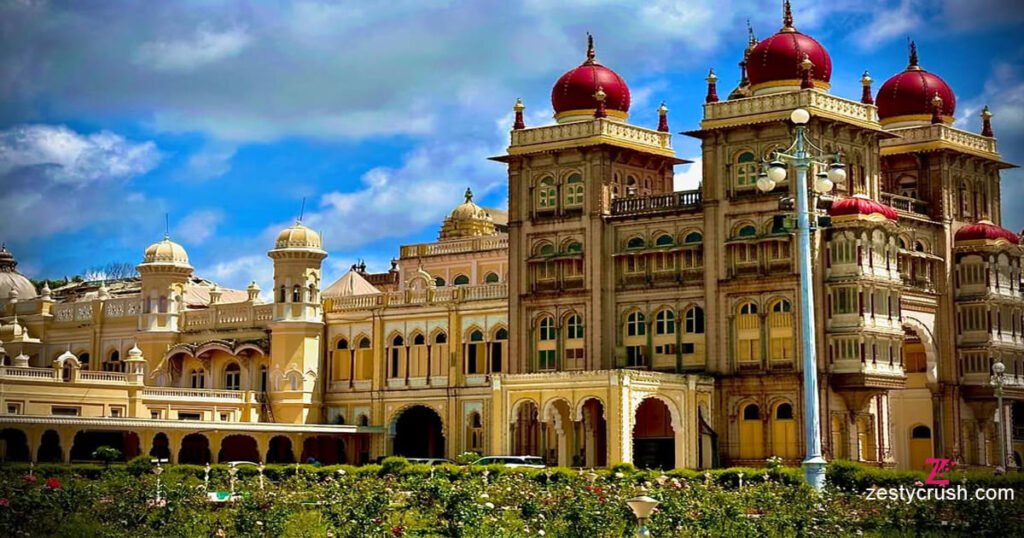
<point>801,159</point>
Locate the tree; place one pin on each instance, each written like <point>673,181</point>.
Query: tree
<point>110,271</point>
<point>106,454</point>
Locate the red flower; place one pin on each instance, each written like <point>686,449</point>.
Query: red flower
<point>4,502</point>
<point>597,490</point>
<point>30,478</point>
<point>397,531</point>
<point>53,483</point>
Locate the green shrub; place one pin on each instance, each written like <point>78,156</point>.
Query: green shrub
<point>106,454</point>
<point>140,465</point>
<point>393,465</point>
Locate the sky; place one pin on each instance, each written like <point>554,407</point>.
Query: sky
<point>225,115</point>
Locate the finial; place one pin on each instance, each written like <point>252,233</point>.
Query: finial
<point>806,66</point>
<point>590,49</point>
<point>600,96</point>
<point>302,210</point>
<point>712,80</point>
<point>751,38</point>
<point>912,63</point>
<point>936,108</point>
<point>518,108</point>
<point>167,226</point>
<point>865,82</point>
<point>986,122</point>
<point>469,195</point>
<point>787,17</point>
<point>663,118</point>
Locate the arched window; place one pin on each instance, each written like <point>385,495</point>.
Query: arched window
<point>546,345</point>
<point>664,240</point>
<point>746,231</point>
<point>547,197</point>
<point>693,238</point>
<point>694,323</point>
<point>342,344</point>
<point>461,280</point>
<point>297,294</point>
<point>198,378</point>
<point>665,322</point>
<point>439,282</point>
<point>475,362</point>
<point>474,433</point>
<point>492,278</point>
<point>574,247</point>
<point>635,242</point>
<point>419,340</point>
<point>233,377</point>
<point>281,295</point>
<point>82,358</point>
<point>498,349</point>
<point>748,334</point>
<point>397,364</point>
<point>574,348</point>
<point>547,249</point>
<point>784,444</point>
<point>752,412</point>
<point>784,411</point>
<point>692,339</point>
<point>574,191</point>
<point>574,327</point>
<point>441,338</point>
<point>746,170</point>
<point>693,253</point>
<point>781,335</point>
<point>113,363</point>
<point>364,343</point>
<point>635,324</point>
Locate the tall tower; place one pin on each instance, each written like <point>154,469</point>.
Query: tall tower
<point>297,326</point>
<point>164,272</point>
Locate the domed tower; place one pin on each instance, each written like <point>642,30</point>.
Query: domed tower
<point>164,271</point>
<point>580,91</point>
<point>915,97</point>
<point>295,346</point>
<point>467,220</point>
<point>14,286</point>
<point>776,64</point>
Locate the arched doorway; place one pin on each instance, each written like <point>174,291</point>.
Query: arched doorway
<point>526,430</point>
<point>86,442</point>
<point>654,436</point>
<point>239,448</point>
<point>195,449</point>
<point>50,450</point>
<point>418,433</point>
<point>920,447</point>
<point>784,443</point>
<point>280,450</point>
<point>751,433</point>
<point>593,451</point>
<point>866,446</point>
<point>324,449</point>
<point>161,447</point>
<point>14,446</point>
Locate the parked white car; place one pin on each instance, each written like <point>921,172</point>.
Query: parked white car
<point>533,462</point>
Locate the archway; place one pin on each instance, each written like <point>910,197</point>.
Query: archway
<point>14,446</point>
<point>784,444</point>
<point>86,442</point>
<point>593,450</point>
<point>324,449</point>
<point>526,430</point>
<point>50,450</point>
<point>239,448</point>
<point>751,433</point>
<point>195,449</point>
<point>653,436</point>
<point>560,435</point>
<point>920,447</point>
<point>280,450</point>
<point>418,433</point>
<point>161,447</point>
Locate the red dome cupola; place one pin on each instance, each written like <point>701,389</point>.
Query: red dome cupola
<point>774,65</point>
<point>573,96</point>
<point>860,207</point>
<point>985,232</point>
<point>914,97</point>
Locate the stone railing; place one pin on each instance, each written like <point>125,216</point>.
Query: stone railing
<point>812,100</point>
<point>580,130</point>
<point>38,374</point>
<point>102,377</point>
<point>454,247</point>
<point>73,312</point>
<point>119,308</point>
<point>181,394</point>
<point>419,297</point>
<point>228,316</point>
<point>942,133</point>
<point>657,203</point>
<point>904,203</point>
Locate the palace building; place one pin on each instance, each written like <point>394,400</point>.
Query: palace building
<point>605,318</point>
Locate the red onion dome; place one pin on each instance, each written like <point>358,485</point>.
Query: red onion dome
<point>573,96</point>
<point>859,206</point>
<point>775,63</point>
<point>985,230</point>
<point>913,96</point>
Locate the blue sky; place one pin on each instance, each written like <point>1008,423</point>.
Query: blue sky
<point>225,115</point>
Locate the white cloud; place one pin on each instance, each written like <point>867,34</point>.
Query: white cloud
<point>204,47</point>
<point>691,176</point>
<point>238,272</point>
<point>198,226</point>
<point>212,161</point>
<point>887,24</point>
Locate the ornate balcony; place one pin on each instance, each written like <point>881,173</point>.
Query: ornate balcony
<point>657,204</point>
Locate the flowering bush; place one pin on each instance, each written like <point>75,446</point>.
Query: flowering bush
<point>417,501</point>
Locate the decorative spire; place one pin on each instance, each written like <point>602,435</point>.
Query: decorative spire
<point>600,96</point>
<point>712,96</point>
<point>519,107</point>
<point>7,261</point>
<point>865,82</point>
<point>787,17</point>
<point>936,108</point>
<point>590,50</point>
<point>986,122</point>
<point>663,118</point>
<point>751,38</point>
<point>912,64</point>
<point>806,67</point>
<point>469,195</point>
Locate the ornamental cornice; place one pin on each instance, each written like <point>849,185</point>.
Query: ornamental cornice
<point>180,425</point>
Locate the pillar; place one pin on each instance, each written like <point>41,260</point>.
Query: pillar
<point>262,445</point>
<point>34,437</point>
<point>145,442</point>
<point>174,445</point>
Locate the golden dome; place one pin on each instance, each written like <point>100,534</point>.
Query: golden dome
<point>298,236</point>
<point>13,285</point>
<point>166,252</point>
<point>467,220</point>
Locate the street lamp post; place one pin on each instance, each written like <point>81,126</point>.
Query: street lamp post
<point>798,154</point>
<point>642,507</point>
<point>998,378</point>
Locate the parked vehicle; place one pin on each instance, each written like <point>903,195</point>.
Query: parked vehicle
<point>429,461</point>
<point>533,462</point>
